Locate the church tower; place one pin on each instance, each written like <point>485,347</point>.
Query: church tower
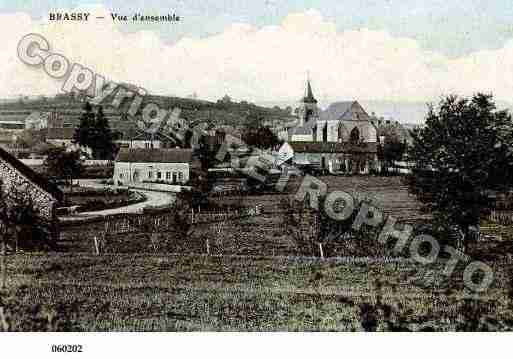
<point>308,110</point>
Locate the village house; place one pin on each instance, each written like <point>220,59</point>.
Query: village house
<point>154,164</point>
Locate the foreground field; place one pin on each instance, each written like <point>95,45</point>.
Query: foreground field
<point>262,235</point>
<point>198,293</point>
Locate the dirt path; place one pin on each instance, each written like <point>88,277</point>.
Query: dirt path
<point>153,199</point>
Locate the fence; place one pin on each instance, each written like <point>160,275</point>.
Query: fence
<point>212,217</point>
<point>85,233</point>
<point>501,217</point>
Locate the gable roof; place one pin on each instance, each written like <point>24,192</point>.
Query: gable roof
<point>336,110</point>
<point>332,147</point>
<point>155,155</point>
<point>34,177</point>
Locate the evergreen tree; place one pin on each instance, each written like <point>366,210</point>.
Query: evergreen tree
<point>104,147</point>
<point>94,132</point>
<point>82,135</point>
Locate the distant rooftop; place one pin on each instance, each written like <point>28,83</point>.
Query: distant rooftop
<point>155,155</point>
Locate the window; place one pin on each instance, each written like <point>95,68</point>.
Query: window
<point>174,176</point>
<point>121,175</point>
<point>150,174</point>
<point>168,176</point>
<point>159,175</point>
<point>180,176</point>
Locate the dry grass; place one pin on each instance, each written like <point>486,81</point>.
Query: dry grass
<point>167,293</point>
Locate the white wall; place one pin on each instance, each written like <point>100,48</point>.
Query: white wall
<point>139,143</point>
<point>302,138</point>
<point>125,171</point>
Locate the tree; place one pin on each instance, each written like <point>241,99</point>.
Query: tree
<point>103,145</point>
<point>94,132</point>
<point>260,137</point>
<point>391,152</point>
<point>20,223</point>
<point>464,150</point>
<point>63,164</point>
<point>83,133</point>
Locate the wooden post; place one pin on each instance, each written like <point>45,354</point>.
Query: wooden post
<point>321,251</point>
<point>96,246</point>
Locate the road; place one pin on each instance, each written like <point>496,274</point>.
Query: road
<point>153,199</point>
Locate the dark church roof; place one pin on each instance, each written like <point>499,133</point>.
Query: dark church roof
<point>34,177</point>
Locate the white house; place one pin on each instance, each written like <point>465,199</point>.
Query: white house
<point>152,164</point>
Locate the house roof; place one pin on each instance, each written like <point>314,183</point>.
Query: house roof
<point>159,155</point>
<point>34,177</point>
<point>332,147</point>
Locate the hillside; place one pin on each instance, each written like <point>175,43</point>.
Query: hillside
<point>220,112</point>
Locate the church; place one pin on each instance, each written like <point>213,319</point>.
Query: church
<point>341,139</point>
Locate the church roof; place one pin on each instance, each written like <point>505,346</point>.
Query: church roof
<point>337,111</point>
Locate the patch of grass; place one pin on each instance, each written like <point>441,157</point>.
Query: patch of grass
<point>192,293</point>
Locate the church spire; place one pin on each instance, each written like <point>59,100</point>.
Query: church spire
<point>309,97</point>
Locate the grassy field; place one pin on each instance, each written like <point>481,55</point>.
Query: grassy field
<point>198,293</point>
<point>257,278</point>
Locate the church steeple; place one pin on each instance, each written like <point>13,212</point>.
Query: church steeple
<point>309,97</point>
<point>308,110</point>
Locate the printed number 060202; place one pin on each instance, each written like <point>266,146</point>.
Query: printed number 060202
<point>67,348</point>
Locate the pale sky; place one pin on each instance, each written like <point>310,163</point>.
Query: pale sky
<point>260,50</point>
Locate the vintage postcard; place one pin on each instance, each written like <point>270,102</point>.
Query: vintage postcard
<point>256,166</point>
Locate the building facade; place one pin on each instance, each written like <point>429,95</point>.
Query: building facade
<point>149,165</point>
